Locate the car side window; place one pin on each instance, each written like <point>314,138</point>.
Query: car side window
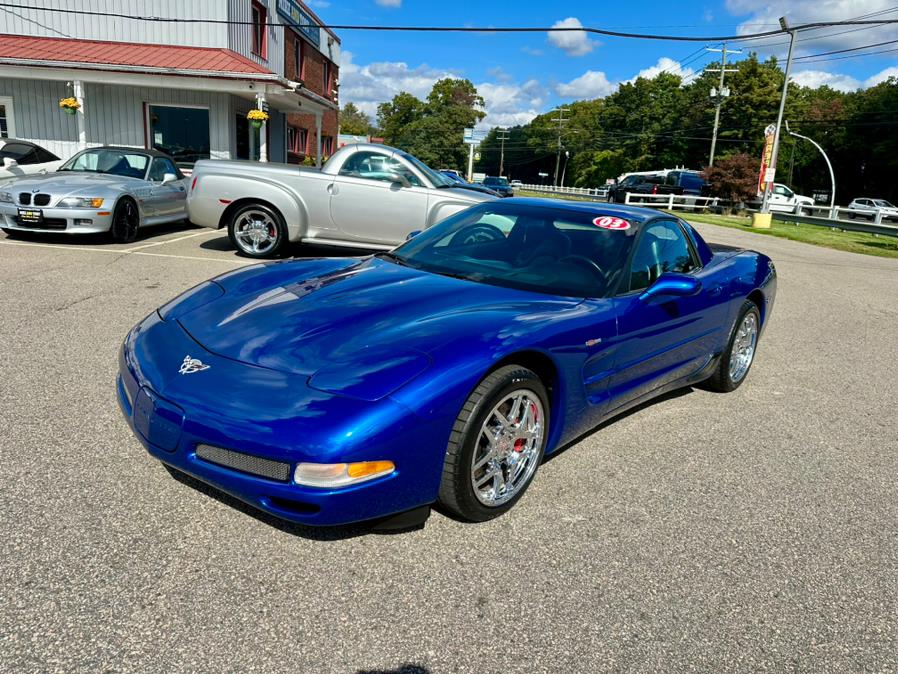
<point>662,248</point>
<point>23,154</point>
<point>377,166</point>
<point>161,166</point>
<point>780,190</point>
<point>43,156</point>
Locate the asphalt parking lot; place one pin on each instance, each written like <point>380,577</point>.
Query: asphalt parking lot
<point>753,531</point>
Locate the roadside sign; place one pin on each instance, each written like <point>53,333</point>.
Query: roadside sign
<point>543,175</point>
<point>476,156</point>
<point>264,107</point>
<point>766,160</point>
<point>474,136</point>
<point>769,175</point>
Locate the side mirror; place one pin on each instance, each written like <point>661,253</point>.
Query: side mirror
<point>671,284</point>
<point>413,234</point>
<point>9,162</point>
<point>168,178</point>
<point>399,178</point>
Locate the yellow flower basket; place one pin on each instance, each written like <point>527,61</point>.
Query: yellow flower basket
<point>69,105</point>
<point>257,117</point>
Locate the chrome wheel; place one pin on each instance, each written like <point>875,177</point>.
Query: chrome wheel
<point>744,346</point>
<point>508,448</point>
<point>256,232</point>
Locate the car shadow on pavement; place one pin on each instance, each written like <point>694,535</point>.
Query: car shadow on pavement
<point>145,234</point>
<point>292,251</point>
<point>403,669</point>
<point>671,395</point>
<point>330,533</point>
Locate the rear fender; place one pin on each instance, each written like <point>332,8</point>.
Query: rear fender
<point>234,192</point>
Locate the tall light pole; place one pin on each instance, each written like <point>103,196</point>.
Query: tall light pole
<point>765,205</point>
<point>719,93</point>
<point>567,154</point>
<point>561,120</point>
<point>503,136</point>
<point>832,175</point>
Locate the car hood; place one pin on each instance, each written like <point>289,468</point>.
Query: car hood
<point>302,316</point>
<point>70,182</point>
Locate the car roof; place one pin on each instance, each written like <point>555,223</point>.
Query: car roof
<point>136,150</point>
<point>634,214</point>
<point>4,141</point>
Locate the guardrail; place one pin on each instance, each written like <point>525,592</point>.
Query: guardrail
<point>843,213</point>
<point>876,228</point>
<point>686,202</point>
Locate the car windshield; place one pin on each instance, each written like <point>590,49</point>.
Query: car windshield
<point>556,251</point>
<point>495,181</point>
<point>113,162</point>
<point>882,203</point>
<point>435,177</point>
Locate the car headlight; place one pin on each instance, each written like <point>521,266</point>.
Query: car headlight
<point>6,197</point>
<point>80,202</point>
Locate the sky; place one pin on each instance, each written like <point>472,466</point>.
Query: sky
<point>522,75</point>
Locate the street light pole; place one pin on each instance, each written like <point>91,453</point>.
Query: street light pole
<point>503,136</point>
<point>765,205</point>
<point>561,120</point>
<point>567,154</point>
<point>832,175</point>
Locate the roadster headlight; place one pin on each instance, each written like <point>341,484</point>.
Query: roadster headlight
<point>81,202</point>
<point>6,197</point>
<point>328,475</point>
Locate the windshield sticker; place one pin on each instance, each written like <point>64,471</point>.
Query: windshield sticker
<point>607,222</point>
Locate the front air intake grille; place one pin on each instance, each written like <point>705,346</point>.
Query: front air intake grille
<point>25,198</point>
<point>41,199</point>
<point>245,463</point>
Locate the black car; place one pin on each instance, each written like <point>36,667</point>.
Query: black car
<point>499,185</point>
<point>463,184</point>
<point>641,184</point>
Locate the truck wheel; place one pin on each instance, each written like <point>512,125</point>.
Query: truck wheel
<point>257,230</point>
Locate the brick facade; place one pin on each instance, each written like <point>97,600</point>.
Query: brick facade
<point>312,76</point>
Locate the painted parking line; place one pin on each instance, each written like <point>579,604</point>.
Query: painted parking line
<point>126,251</point>
<point>179,238</point>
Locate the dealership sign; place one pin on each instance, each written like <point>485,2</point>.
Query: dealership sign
<point>300,20</point>
<point>767,171</point>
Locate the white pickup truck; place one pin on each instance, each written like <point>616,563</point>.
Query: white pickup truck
<point>785,200</point>
<point>365,196</point>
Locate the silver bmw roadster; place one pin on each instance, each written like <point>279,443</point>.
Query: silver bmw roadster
<point>103,189</point>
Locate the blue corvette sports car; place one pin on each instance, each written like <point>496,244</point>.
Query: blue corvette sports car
<point>327,391</point>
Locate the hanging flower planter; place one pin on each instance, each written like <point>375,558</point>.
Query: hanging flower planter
<point>257,117</point>
<point>69,105</point>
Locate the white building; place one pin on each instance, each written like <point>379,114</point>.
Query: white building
<point>182,85</point>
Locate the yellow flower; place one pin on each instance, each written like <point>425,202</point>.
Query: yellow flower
<point>70,103</point>
<point>257,115</point>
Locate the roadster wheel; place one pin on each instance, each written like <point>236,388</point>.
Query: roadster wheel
<point>496,445</point>
<point>736,360</point>
<point>257,231</point>
<point>125,222</point>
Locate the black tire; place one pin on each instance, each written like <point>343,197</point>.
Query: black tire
<point>125,221</point>
<point>721,380</point>
<point>275,229</point>
<point>456,489</point>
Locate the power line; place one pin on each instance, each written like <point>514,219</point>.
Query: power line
<point>472,29</point>
<point>844,51</point>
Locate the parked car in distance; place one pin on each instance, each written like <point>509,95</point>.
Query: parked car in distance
<point>868,208</point>
<point>21,158</point>
<point>499,185</point>
<point>332,390</point>
<point>641,184</point>
<point>516,184</point>
<point>691,181</point>
<point>452,172</point>
<point>103,189</point>
<point>784,200</point>
<point>465,185</point>
<point>365,196</point>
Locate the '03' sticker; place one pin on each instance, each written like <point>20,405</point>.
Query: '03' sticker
<point>608,222</point>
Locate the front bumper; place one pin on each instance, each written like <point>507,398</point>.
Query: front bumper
<point>58,220</point>
<point>294,424</point>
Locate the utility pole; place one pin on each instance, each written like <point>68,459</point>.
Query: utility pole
<point>832,175</point>
<point>765,204</point>
<point>561,120</point>
<point>720,92</point>
<point>502,134</point>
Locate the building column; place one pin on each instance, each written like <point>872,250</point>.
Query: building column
<point>318,139</point>
<point>263,131</point>
<point>78,92</point>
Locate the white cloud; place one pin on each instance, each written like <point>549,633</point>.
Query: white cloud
<point>532,51</point>
<point>881,76</point>
<point>389,3</point>
<point>818,78</point>
<point>666,65</point>
<point>574,43</point>
<point>591,84</point>
<point>511,104</point>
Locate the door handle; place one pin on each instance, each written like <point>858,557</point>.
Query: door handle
<point>332,189</point>
<point>715,291</point>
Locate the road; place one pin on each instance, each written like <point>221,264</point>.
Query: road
<point>753,531</point>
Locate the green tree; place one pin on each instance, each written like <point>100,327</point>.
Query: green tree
<point>395,116</point>
<point>353,121</point>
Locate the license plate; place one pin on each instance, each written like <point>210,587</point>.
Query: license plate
<point>30,216</point>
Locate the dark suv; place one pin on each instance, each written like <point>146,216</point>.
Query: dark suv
<point>641,185</point>
<point>499,185</point>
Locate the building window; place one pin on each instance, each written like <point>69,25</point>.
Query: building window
<point>326,70</point>
<point>260,30</point>
<point>300,59</point>
<point>327,146</point>
<point>7,123</point>
<point>297,138</point>
<point>182,133</point>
